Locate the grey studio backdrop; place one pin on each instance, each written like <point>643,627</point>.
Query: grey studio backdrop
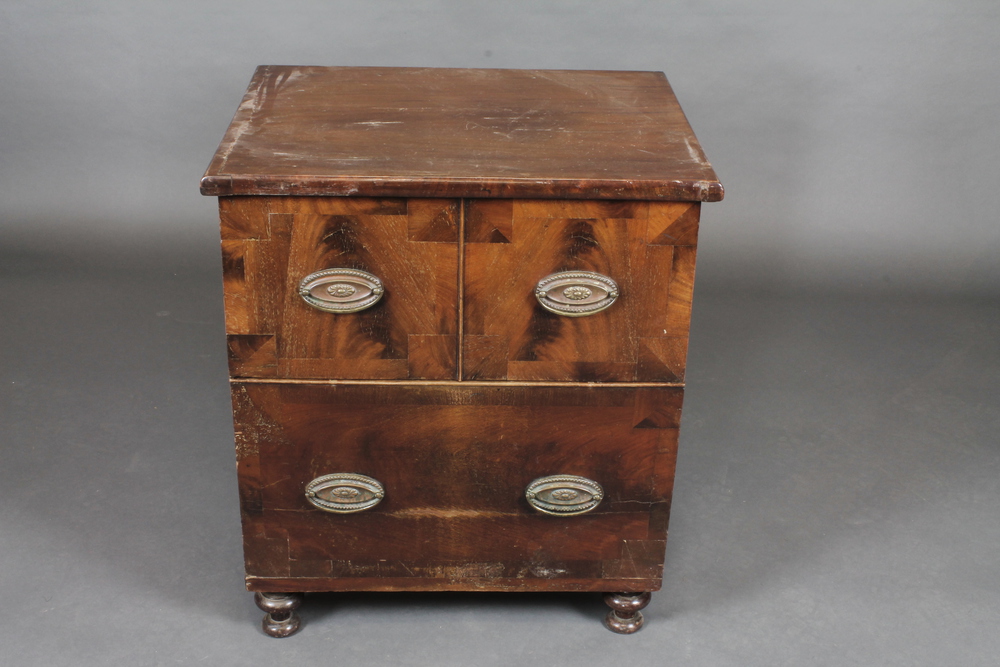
<point>837,499</point>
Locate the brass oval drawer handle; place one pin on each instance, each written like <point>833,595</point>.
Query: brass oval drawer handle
<point>344,493</point>
<point>576,293</point>
<point>341,290</point>
<point>564,495</point>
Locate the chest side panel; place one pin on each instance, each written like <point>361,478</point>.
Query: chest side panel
<point>647,248</point>
<point>270,244</point>
<point>455,462</point>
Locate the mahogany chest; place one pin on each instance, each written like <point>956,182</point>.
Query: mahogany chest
<point>457,308</point>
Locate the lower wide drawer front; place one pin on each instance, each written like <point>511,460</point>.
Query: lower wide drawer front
<point>429,486</point>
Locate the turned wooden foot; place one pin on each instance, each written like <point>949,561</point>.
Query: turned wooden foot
<point>624,617</point>
<point>280,619</point>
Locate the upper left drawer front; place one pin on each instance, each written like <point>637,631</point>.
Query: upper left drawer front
<point>270,244</point>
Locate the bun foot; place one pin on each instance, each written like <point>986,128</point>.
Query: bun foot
<point>624,617</point>
<point>280,619</point>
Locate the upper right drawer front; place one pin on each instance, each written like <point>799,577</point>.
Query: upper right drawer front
<point>647,248</point>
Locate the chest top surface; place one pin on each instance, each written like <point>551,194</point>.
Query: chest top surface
<point>411,132</point>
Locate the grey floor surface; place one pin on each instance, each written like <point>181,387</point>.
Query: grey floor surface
<point>837,499</point>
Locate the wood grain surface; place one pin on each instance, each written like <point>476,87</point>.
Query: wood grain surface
<point>420,132</point>
<point>648,248</point>
<point>455,461</point>
<point>270,243</point>
<point>459,189</point>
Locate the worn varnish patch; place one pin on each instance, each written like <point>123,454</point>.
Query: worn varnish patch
<point>438,132</point>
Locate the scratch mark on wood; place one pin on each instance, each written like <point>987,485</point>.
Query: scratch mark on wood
<point>447,513</point>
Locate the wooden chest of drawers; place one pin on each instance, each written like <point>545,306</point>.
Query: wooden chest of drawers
<point>457,309</point>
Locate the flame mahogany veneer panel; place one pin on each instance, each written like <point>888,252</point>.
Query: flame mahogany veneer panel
<point>648,248</point>
<point>269,244</point>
